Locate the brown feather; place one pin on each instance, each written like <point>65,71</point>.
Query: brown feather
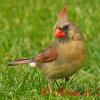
<point>47,55</point>
<point>62,18</point>
<point>19,62</point>
<point>63,12</point>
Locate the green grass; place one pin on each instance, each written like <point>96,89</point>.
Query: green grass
<point>26,27</point>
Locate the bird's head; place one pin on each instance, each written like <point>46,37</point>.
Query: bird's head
<point>64,29</point>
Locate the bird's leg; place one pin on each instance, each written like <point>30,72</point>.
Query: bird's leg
<point>57,84</point>
<point>66,79</point>
<point>50,86</point>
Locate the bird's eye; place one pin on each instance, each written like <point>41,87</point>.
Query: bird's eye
<point>65,27</point>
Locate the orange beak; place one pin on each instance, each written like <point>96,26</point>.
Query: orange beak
<point>59,33</point>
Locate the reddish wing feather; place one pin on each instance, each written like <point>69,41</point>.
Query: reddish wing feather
<point>47,55</point>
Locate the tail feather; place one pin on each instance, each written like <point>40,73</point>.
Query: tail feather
<point>20,62</point>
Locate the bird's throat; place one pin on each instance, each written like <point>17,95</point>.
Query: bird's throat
<point>61,39</point>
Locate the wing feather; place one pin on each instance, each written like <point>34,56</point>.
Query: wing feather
<point>47,55</point>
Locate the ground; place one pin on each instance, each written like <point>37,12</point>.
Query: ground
<point>26,27</point>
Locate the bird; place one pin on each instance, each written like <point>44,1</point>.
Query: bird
<point>65,56</point>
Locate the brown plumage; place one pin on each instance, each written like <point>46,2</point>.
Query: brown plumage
<point>47,55</point>
<point>66,56</point>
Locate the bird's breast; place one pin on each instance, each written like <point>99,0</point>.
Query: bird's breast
<point>70,58</point>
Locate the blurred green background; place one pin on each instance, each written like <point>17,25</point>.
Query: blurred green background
<point>26,27</point>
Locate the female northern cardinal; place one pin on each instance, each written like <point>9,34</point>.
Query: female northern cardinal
<point>65,56</point>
